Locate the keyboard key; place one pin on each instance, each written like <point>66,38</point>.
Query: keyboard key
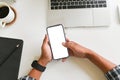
<point>56,7</point>
<point>64,7</point>
<point>59,7</point>
<point>52,7</point>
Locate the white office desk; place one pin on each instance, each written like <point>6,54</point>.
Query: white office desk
<point>31,27</point>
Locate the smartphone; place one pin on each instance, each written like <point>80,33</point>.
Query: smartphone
<point>56,37</point>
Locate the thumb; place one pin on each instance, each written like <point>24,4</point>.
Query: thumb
<point>69,44</point>
<point>64,44</point>
<point>45,39</point>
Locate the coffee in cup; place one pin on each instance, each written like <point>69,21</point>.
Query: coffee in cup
<point>7,15</point>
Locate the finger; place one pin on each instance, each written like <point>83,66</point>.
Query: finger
<point>64,59</point>
<point>45,39</point>
<point>70,52</point>
<point>63,43</point>
<point>67,40</point>
<point>68,44</point>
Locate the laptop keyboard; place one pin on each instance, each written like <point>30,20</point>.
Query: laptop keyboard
<point>73,4</point>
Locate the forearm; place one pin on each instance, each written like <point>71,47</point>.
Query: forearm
<point>104,64</point>
<point>35,73</point>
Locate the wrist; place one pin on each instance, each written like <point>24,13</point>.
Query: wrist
<point>89,54</point>
<point>42,62</point>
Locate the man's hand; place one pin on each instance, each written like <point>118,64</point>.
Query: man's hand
<point>44,59</point>
<point>82,52</point>
<point>76,49</point>
<point>46,52</point>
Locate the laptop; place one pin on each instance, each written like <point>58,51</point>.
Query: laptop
<point>78,13</point>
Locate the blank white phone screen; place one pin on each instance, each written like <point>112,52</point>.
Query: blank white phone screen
<point>56,37</point>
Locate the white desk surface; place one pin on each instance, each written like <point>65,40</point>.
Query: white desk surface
<point>31,27</point>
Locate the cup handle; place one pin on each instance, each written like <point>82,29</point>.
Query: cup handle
<point>2,24</point>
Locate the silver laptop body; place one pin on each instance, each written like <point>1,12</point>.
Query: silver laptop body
<point>74,13</point>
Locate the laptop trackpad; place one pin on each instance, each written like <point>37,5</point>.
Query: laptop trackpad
<point>76,18</point>
<point>101,17</point>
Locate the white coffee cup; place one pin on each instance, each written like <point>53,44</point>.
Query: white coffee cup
<point>7,15</point>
